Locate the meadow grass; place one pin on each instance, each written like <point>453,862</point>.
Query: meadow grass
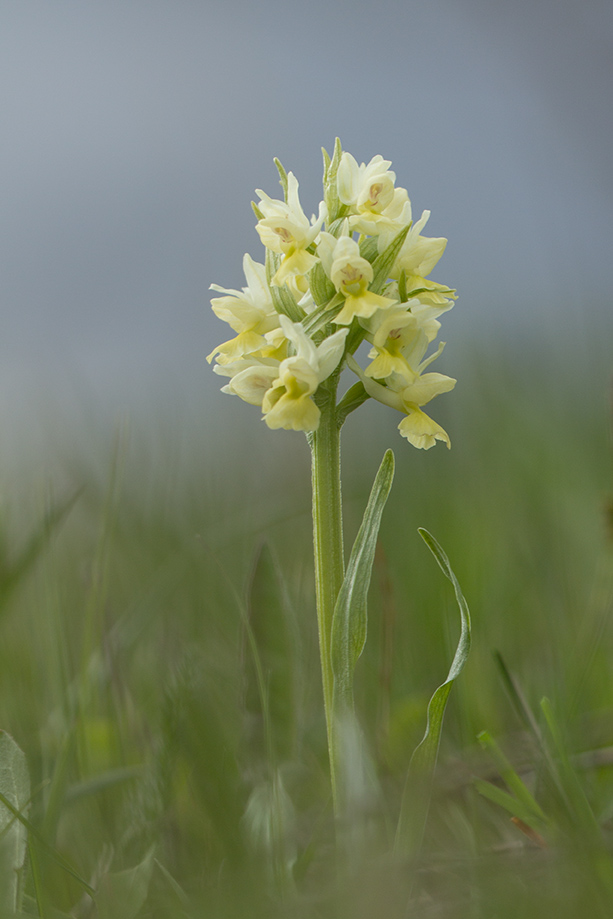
<point>127,675</point>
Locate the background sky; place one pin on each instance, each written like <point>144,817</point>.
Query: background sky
<point>134,135</point>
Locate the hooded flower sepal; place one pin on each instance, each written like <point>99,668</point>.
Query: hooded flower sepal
<point>285,229</point>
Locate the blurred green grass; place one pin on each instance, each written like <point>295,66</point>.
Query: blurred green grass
<point>123,661</point>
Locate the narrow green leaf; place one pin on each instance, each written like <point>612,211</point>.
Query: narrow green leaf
<point>512,780</point>
<point>121,894</point>
<point>580,811</point>
<point>256,210</point>
<point>510,804</point>
<point>350,613</point>
<point>418,786</point>
<point>382,265</point>
<point>15,790</point>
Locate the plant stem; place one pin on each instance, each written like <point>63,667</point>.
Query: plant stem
<point>328,548</point>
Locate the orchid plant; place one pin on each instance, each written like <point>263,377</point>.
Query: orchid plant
<point>356,272</point>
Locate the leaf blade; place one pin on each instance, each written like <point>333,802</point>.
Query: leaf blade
<point>418,785</point>
<point>349,622</point>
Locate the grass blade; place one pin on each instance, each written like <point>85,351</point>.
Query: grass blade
<point>516,786</point>
<point>509,803</point>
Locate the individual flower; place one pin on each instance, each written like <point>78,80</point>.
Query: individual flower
<point>419,254</point>
<point>368,190</point>
<point>249,312</point>
<point>286,229</point>
<point>400,332</point>
<point>393,218</point>
<point>366,187</point>
<point>351,274</point>
<point>250,378</point>
<point>430,293</point>
<point>407,396</point>
<point>288,403</point>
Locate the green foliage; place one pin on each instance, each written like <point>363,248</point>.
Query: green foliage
<point>127,679</point>
<point>382,264</point>
<point>15,791</point>
<point>416,796</point>
<point>349,624</point>
<point>270,663</point>
<point>121,894</point>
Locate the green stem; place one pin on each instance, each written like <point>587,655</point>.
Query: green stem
<point>328,548</point>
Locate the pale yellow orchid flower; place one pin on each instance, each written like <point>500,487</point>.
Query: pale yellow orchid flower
<point>250,378</point>
<point>288,403</point>
<point>351,274</point>
<point>419,254</point>
<point>249,311</point>
<point>368,188</point>
<point>408,397</point>
<point>400,336</point>
<point>286,229</point>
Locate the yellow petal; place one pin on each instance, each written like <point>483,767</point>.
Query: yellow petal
<point>421,431</point>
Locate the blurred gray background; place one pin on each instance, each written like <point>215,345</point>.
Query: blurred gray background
<point>134,134</point>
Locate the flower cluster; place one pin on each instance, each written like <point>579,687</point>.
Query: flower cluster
<point>356,272</point>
